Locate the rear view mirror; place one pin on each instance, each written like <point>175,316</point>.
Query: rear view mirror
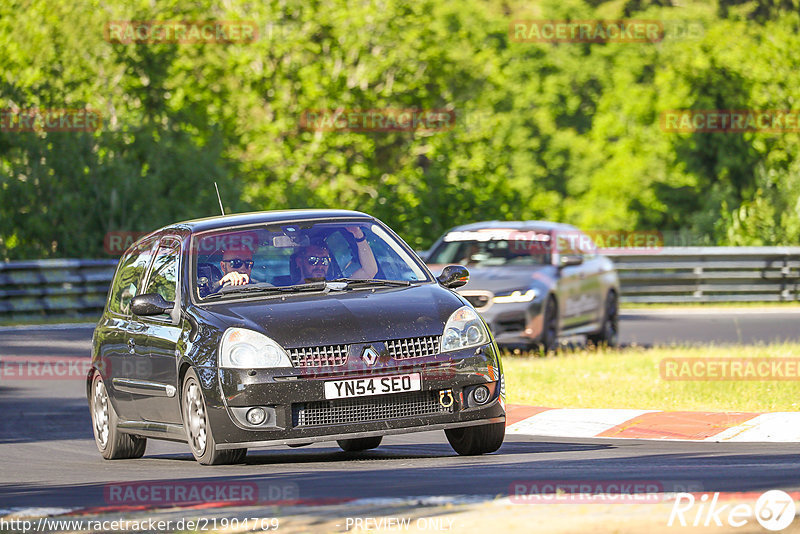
<point>453,276</point>
<point>150,304</point>
<point>286,241</point>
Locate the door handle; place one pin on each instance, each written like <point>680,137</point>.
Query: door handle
<point>131,346</point>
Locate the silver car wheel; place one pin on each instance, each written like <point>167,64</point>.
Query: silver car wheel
<point>100,412</point>
<point>196,417</point>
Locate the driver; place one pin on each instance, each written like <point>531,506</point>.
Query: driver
<point>236,266</point>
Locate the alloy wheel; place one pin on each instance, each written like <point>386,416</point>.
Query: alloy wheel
<point>196,416</point>
<point>101,417</point>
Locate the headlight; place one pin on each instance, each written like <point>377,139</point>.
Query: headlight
<point>516,296</point>
<point>245,349</point>
<point>463,329</point>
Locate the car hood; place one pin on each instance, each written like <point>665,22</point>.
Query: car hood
<point>506,278</point>
<point>341,317</point>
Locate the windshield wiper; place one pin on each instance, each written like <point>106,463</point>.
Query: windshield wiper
<point>258,288</point>
<point>372,282</point>
<point>322,285</point>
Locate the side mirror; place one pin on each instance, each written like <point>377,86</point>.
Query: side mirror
<point>567,260</point>
<point>453,276</point>
<point>150,304</point>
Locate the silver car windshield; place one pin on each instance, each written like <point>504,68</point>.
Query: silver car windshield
<point>492,252</point>
<point>279,258</point>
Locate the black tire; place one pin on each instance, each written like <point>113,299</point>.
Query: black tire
<point>359,444</point>
<point>198,431</point>
<point>112,444</point>
<point>608,336</point>
<point>473,440</point>
<point>549,340</point>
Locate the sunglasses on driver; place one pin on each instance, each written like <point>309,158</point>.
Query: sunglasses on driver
<point>317,260</point>
<point>237,263</point>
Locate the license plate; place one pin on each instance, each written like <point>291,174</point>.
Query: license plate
<point>379,385</point>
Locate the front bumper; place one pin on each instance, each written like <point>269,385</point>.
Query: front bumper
<point>514,323</point>
<point>299,413</point>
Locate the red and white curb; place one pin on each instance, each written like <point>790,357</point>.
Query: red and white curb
<point>777,427</point>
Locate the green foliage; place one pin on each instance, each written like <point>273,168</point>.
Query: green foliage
<point>566,131</point>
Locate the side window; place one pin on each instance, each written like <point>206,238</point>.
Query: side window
<point>164,276</point>
<point>390,265</point>
<point>129,277</point>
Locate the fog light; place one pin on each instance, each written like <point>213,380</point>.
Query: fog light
<point>481,394</point>
<point>256,416</point>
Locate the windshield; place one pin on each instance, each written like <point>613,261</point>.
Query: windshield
<point>284,258</point>
<point>492,248</point>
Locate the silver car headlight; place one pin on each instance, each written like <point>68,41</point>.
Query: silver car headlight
<point>245,349</point>
<point>463,329</point>
<point>516,296</point>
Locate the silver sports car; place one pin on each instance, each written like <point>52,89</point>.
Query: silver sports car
<point>534,281</point>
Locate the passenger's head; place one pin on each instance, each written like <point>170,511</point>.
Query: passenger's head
<point>313,261</point>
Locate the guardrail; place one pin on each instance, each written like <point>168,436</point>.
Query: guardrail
<point>710,274</point>
<point>54,288</point>
<point>78,288</point>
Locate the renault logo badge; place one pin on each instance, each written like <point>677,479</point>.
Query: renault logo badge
<point>370,356</point>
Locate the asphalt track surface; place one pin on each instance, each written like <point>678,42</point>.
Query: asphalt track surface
<point>48,457</point>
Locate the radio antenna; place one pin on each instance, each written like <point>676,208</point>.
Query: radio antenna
<point>219,198</point>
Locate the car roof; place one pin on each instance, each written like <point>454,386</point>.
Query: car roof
<point>256,217</point>
<point>514,225</point>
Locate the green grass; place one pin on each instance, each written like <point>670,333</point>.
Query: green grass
<point>630,378</point>
<point>690,305</point>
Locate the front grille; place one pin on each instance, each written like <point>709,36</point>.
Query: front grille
<point>324,356</point>
<point>364,409</point>
<point>413,347</point>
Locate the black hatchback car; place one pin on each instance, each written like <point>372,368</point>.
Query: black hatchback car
<point>288,328</point>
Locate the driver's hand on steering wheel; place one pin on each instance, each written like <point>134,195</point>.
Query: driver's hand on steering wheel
<point>234,278</point>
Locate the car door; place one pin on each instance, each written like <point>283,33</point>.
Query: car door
<point>592,287</point>
<point>158,400</point>
<point>570,279</point>
<point>122,336</point>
